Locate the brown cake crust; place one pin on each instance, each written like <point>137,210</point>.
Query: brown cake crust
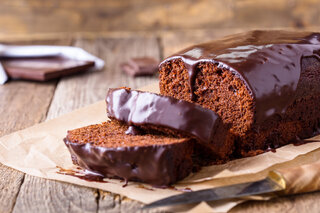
<point>154,159</point>
<point>172,117</point>
<point>264,83</point>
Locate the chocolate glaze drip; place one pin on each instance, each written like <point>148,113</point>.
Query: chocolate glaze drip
<point>133,130</point>
<point>268,62</point>
<point>191,67</point>
<point>141,108</point>
<point>82,174</point>
<point>158,165</point>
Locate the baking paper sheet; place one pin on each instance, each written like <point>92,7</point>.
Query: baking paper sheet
<point>40,149</point>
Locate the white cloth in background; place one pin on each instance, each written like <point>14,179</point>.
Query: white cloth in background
<point>32,51</point>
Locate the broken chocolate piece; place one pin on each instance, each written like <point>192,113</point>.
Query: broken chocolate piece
<point>140,66</point>
<point>43,69</point>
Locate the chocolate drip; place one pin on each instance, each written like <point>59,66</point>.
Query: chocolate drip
<point>158,165</point>
<point>271,149</point>
<point>142,108</point>
<point>268,62</point>
<point>191,66</point>
<point>82,174</point>
<point>133,130</point>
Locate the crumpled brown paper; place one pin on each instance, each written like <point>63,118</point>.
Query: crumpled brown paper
<point>38,151</point>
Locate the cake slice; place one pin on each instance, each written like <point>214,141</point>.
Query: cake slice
<point>107,150</point>
<point>173,117</point>
<point>265,84</point>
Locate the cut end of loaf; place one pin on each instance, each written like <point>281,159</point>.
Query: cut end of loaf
<point>215,88</point>
<point>220,90</point>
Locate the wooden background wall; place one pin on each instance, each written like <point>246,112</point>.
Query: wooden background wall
<point>48,16</point>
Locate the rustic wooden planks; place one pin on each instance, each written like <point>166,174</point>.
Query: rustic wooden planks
<point>22,104</point>
<point>10,182</point>
<point>41,195</point>
<point>77,91</point>
<point>308,202</point>
<point>31,16</point>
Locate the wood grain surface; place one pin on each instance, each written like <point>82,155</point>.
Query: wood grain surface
<point>74,92</point>
<point>26,103</point>
<point>22,104</point>
<point>38,16</point>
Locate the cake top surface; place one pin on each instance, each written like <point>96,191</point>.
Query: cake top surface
<point>144,108</point>
<point>111,134</point>
<point>246,43</point>
<point>269,63</point>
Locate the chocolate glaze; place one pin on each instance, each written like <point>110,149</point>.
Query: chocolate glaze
<point>133,130</point>
<point>82,174</point>
<point>158,165</point>
<point>271,149</point>
<point>143,108</point>
<point>268,62</point>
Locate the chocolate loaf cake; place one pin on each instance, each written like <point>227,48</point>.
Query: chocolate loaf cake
<point>266,84</point>
<point>171,116</point>
<point>106,149</point>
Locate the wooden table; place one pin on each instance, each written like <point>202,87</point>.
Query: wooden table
<point>24,104</point>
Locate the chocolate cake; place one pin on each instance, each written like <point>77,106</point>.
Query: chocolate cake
<point>107,150</point>
<point>171,116</point>
<point>263,83</point>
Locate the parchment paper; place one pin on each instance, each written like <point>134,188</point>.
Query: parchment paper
<point>38,151</point>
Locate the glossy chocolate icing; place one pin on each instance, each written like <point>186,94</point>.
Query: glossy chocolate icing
<point>133,130</point>
<point>158,165</point>
<point>143,108</point>
<point>268,62</point>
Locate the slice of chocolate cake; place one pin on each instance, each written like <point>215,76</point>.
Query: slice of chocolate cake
<point>171,116</point>
<point>106,149</point>
<point>264,83</point>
